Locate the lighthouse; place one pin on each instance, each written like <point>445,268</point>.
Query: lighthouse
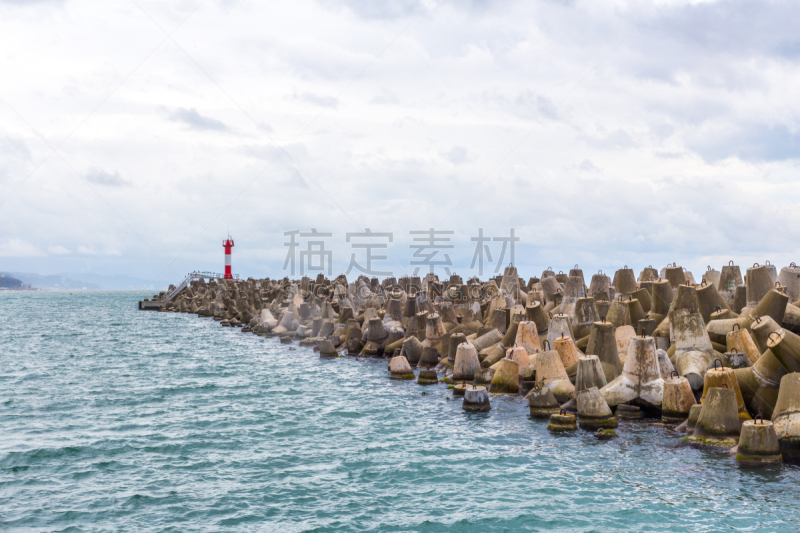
<point>228,244</point>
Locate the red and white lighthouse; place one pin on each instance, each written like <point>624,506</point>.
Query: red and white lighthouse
<point>228,244</point>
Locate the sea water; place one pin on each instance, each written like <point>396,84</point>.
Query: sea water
<point>115,419</point>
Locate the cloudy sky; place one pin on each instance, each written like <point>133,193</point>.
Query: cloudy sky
<point>134,135</point>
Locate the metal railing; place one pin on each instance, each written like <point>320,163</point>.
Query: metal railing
<point>191,277</point>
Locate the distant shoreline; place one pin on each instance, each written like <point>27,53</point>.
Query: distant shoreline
<point>36,289</point>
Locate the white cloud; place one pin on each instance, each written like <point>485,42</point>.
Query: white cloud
<point>19,248</point>
<point>196,121</point>
<point>85,250</point>
<point>58,250</point>
<point>104,177</point>
<point>676,143</point>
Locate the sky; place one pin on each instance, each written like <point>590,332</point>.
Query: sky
<point>136,135</point>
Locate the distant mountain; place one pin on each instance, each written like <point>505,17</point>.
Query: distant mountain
<point>55,282</point>
<point>88,281</point>
<point>7,282</point>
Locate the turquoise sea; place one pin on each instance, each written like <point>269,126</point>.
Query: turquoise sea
<point>114,419</point>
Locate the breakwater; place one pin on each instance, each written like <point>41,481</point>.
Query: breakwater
<point>716,359</point>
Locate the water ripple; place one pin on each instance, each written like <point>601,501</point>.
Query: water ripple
<point>116,419</point>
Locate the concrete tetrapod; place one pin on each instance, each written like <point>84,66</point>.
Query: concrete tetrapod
<point>590,373</point>
<point>773,304</point>
<point>640,380</point>
<point>688,333</point>
<point>758,443</point>
<point>685,298</point>
<point>718,424</point>
<point>623,336</point>
<point>519,355</point>
<point>662,296</point>
<point>786,347</point>
<point>786,417</point>
<point>648,325</point>
<point>326,348</point>
<point>550,371</point>
<point>416,325</point>
<point>678,399</point>
<point>619,314</point>
<point>491,356</point>
<point>600,284</point>
<point>764,400</point>
<point>510,282</point>
<point>664,364</point>
<point>489,339</point>
<point>723,314</point>
<point>316,327</point>
<point>625,281</point>
<point>709,300</point>
<point>768,370</point>
<point>648,273</point>
<point>326,329</point>
<point>748,384</point>
<point>740,340</point>
<point>711,277</point>
<point>603,344</point>
<point>456,340</point>
<point>399,368</point>
<point>535,313</point>
<point>511,333</point>
<point>730,277</point>
<point>267,318</point>
<point>394,310</point>
<point>693,350</point>
<point>694,415</point>
<point>735,359</point>
<point>287,321</point>
<point>791,318</point>
<point>758,283</point>
<point>476,398</point>
<point>644,298</point>
<point>541,401</point>
<point>430,357</point>
<point>739,303</point>
<point>602,306</point>
<point>483,376</point>
<point>560,325</point>
<point>790,278</point>
<point>412,350</point>
<point>376,335</point>
<point>674,274</point>
<point>551,288</point>
<point>566,349</point>
<point>573,290</point>
<point>528,337</point>
<point>562,422</point>
<point>466,364</point>
<point>593,411</point>
<point>434,329</point>
<point>719,376</point>
<point>761,328</point>
<point>497,320</point>
<point>506,378</point>
<point>410,310</point>
<point>760,320</point>
<point>585,315</point>
<point>628,412</point>
<point>459,389</point>
<point>427,377</point>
